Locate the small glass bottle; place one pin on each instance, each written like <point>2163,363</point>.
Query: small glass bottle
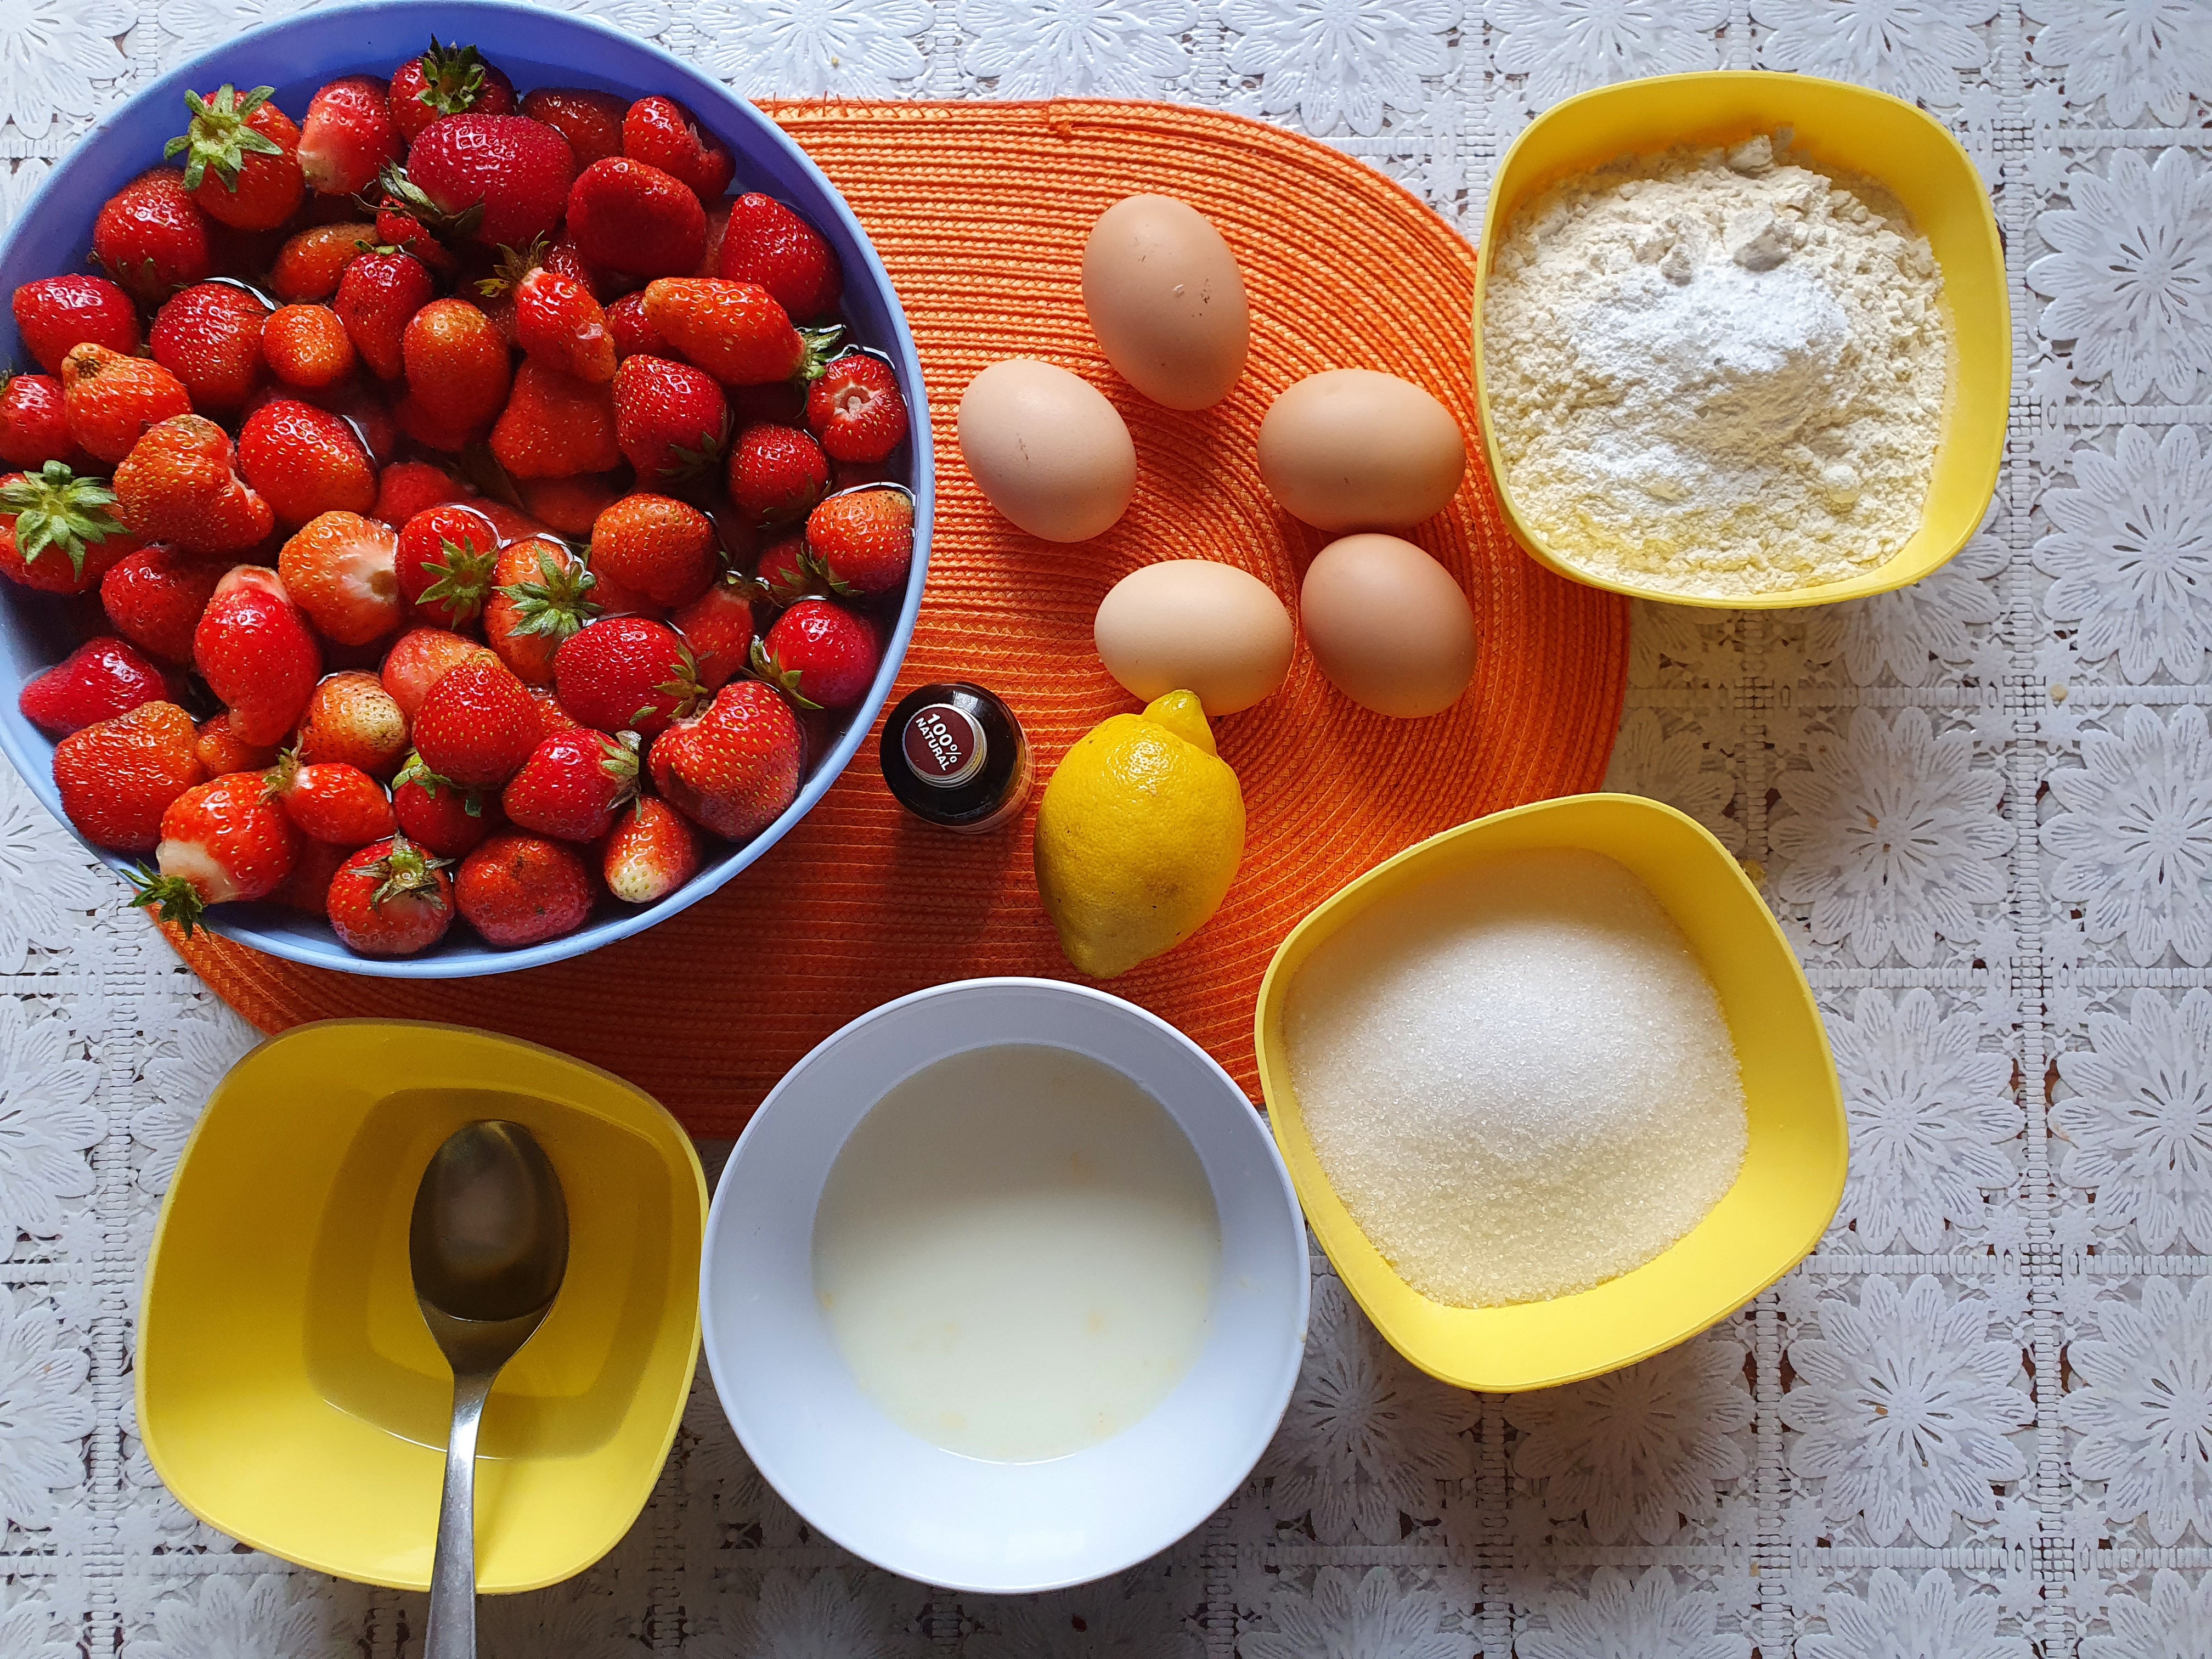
<point>955,755</point>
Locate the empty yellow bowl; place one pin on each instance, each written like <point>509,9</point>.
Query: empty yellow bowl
<point>1793,1167</point>
<point>1847,128</point>
<point>288,1392</point>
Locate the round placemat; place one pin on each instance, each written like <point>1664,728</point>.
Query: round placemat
<point>980,212</point>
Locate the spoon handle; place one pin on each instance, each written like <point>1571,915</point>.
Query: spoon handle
<point>452,1630</point>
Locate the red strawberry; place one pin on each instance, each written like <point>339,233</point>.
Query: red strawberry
<point>307,346</point>
<point>626,672</point>
<point>502,179</point>
<point>861,540</point>
<point>551,717</point>
<point>305,461</point>
<point>457,368</point>
<point>310,265</point>
<point>330,800</point>
<point>734,767</point>
<point>221,750</point>
<point>821,653</point>
<point>351,720</point>
<point>359,402</point>
<point>635,219</point>
<point>419,660</point>
<point>542,595</point>
<point>152,238</point>
<point>777,472</point>
<point>117,778</point>
<point>348,136</point>
<point>767,244</point>
<point>523,889</point>
<point>568,506</point>
<point>154,598</point>
<point>315,865</point>
<point>572,783</point>
<point>446,553</point>
<point>856,408</point>
<point>59,534</point>
<point>392,899</point>
<point>177,485</point>
<point>221,841</point>
<point>557,321</point>
<point>376,294</point>
<point>655,545</point>
<point>242,164</point>
<point>591,122</point>
<point>671,419</point>
<point>99,680</point>
<point>477,725</point>
<point>662,133</point>
<point>719,626</point>
<point>56,313</point>
<point>253,649</point>
<point>633,331</point>
<point>399,227</point>
<point>209,336</point>
<point>111,400</point>
<point>438,812</point>
<point>651,854</point>
<point>446,81</point>
<point>34,424</point>
<point>556,426</point>
<point>406,488</point>
<point>734,330</point>
<point>788,572</point>
<point>338,567</point>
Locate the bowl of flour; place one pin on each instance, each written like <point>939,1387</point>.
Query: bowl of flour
<point>1742,340</point>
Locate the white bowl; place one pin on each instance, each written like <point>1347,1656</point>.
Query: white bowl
<point>935,1516</point>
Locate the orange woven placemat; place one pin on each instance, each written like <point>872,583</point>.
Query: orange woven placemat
<point>980,212</point>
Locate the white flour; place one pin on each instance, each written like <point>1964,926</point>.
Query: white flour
<point>1716,373</point>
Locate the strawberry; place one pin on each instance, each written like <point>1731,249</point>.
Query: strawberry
<point>856,408</point>
<point>541,596</point>
<point>305,461</point>
<point>766,243</point>
<point>415,231</point>
<point>446,81</point>
<point>209,336</point>
<point>59,534</point>
<point>591,122</point>
<point>861,541</point>
<point>377,293</point>
<point>446,553</point>
<point>557,321</point>
<point>253,649</point>
<point>720,627</point>
<point>734,767</point>
<point>503,178</point>
<point>671,419</point>
<point>241,162</point>
<point>111,399</point>
<point>118,777</point>
<point>350,718</point>
<point>734,330</point>
<point>634,218</point>
<point>99,680</point>
<point>359,402</point>
<point>56,313</point>
<point>330,800</point>
<point>34,425</point>
<point>221,750</point>
<point>523,889</point>
<point>662,133</point>
<point>152,238</point>
<point>309,266</point>
<point>392,899</point>
<point>633,331</point>
<point>777,472</point>
<point>306,346</point>
<point>556,426</point>
<point>477,725</point>
<point>660,547</point>
<point>551,717</point>
<point>221,841</point>
<point>568,506</point>
<point>178,485</point>
<point>438,812</point>
<point>820,654</point>
<point>456,362</point>
<point>153,599</point>
<point>406,488</point>
<point>788,572</point>
<point>348,136</point>
<point>572,783</point>
<point>315,865</point>
<point>626,672</point>
<point>651,852</point>
<point>338,567</point>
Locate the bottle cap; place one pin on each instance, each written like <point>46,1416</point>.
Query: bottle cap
<point>943,744</point>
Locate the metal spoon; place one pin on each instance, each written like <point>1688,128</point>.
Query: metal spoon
<point>489,1243</point>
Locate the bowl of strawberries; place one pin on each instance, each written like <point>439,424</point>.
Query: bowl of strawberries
<point>468,487</point>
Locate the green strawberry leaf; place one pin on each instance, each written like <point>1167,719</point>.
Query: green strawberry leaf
<point>559,604</point>
<point>463,578</point>
<point>452,78</point>
<point>55,508</point>
<point>219,138</point>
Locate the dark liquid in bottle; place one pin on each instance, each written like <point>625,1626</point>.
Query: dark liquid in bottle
<point>953,753</point>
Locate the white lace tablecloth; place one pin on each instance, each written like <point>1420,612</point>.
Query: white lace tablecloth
<point>1976,1424</point>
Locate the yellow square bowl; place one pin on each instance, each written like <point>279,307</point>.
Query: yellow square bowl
<point>1793,1169</point>
<point>288,1392</point>
<point>1846,129</point>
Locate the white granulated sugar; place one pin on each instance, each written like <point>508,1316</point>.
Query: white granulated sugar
<point>1519,1081</point>
<point>1716,373</point>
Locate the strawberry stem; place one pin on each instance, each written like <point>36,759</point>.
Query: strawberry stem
<point>219,137</point>
<point>54,507</point>
<point>452,78</point>
<point>171,898</point>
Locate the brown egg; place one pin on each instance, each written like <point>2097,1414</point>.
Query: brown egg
<point>1047,449</point>
<point>1387,625</point>
<point>1194,625</point>
<point>1351,449</point>
<point>1166,300</point>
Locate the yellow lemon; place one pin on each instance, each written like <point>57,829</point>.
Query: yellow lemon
<point>1138,837</point>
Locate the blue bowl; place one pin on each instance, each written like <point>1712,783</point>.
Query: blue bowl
<point>536,47</point>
